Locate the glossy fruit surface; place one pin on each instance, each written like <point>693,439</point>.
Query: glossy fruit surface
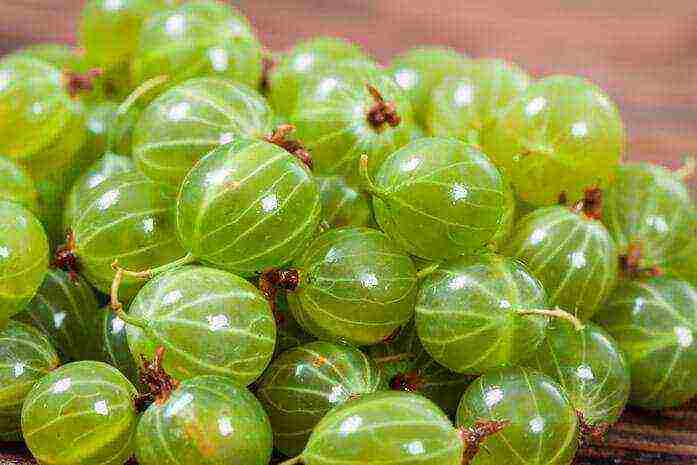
<point>655,322</point>
<point>543,428</point>
<point>467,103</point>
<point>25,357</point>
<point>386,427</point>
<point>571,254</point>
<point>208,420</point>
<point>591,368</point>
<point>23,258</point>
<point>333,118</point>
<point>342,204</point>
<point>354,285</point>
<point>211,322</point>
<point>100,118</point>
<point>198,38</point>
<point>114,345</point>
<point>418,372</point>
<point>17,186</point>
<point>189,120</point>
<point>304,60</point>
<point>468,314</point>
<point>303,384</point>
<point>649,208</point>
<point>107,166</point>
<point>66,310</point>
<point>63,57</point>
<point>419,70</point>
<point>248,206</point>
<point>562,135</point>
<point>81,414</point>
<point>440,198</point>
<point>128,218</point>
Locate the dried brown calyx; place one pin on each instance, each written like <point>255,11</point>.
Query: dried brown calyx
<point>631,264</point>
<point>473,436</point>
<point>591,205</point>
<point>382,112</point>
<point>272,281</point>
<point>158,384</point>
<point>267,65</point>
<point>409,382</point>
<point>280,137</point>
<point>65,257</point>
<point>77,83</point>
<point>563,199</point>
<point>591,433</point>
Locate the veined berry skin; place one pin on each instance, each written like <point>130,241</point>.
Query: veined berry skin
<point>113,345</point>
<point>306,382</point>
<point>562,135</point>
<point>355,285</point>
<point>207,420</point>
<point>17,186</point>
<point>467,314</point>
<point>343,205</point>
<point>391,427</point>
<point>26,356</point>
<point>543,428</point>
<point>573,256</point>
<point>82,413</point>
<point>654,321</point>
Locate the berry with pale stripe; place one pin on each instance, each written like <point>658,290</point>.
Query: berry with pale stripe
<point>17,186</point>
<point>343,205</point>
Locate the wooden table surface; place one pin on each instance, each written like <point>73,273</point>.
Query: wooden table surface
<point>642,52</point>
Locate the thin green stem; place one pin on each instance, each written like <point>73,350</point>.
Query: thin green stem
<point>293,461</point>
<point>393,358</point>
<point>555,313</point>
<point>430,269</point>
<point>368,183</point>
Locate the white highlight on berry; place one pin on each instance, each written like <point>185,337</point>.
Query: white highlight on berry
<point>172,297</point>
<point>178,405</point>
<point>658,223</point>
<point>684,335</point>
<point>493,396</point>
<point>225,426</point>
<point>175,25</point>
<point>108,199</point>
<point>219,58</point>
<point>218,176</point>
<point>537,236</point>
<point>459,192</point>
<point>411,164</point>
<point>537,424</point>
<point>350,425</point>
<point>535,106</point>
<point>101,408</point>
<point>303,62</point>
<point>337,394</point>
<point>326,87</point>
<point>179,111</point>
<point>5,79</point>
<point>226,138</point>
<point>584,372</point>
<point>113,5</point>
<point>58,319</point>
<point>18,369</point>
<point>406,78</point>
<point>218,322</point>
<point>503,303</point>
<point>61,385</point>
<point>96,180</point>
<point>369,280</point>
<point>149,224</point>
<point>578,259</point>
<point>4,252</point>
<point>464,95</point>
<point>269,203</point>
<point>95,125</point>
<point>37,108</point>
<point>416,448</point>
<point>638,306</point>
<point>117,325</point>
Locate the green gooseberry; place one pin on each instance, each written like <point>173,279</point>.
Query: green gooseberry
<point>561,136</point>
<point>114,345</point>
<point>248,206</point>
<point>23,258</point>
<point>25,357</point>
<point>99,119</point>
<point>301,63</point>
<point>128,218</point>
<point>510,216</point>
<point>65,309</point>
<point>419,70</point>
<point>654,321</point>
<point>82,413</point>
<point>343,205</point>
<point>591,368</point>
<point>406,366</point>
<point>189,120</point>
<point>541,426</point>
<point>353,284</point>
<point>17,186</point>
<point>384,427</point>
<point>649,212</point>
<point>348,110</point>
<point>210,321</point>
<point>207,420</point>
<point>468,103</point>
<point>59,55</point>
<point>571,253</point>
<point>481,312</point>
<point>304,383</point>
<point>439,198</point>
<point>103,169</point>
<point>198,38</point>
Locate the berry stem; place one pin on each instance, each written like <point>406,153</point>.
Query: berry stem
<point>688,168</point>
<point>393,358</point>
<point>381,112</point>
<point>429,270</point>
<point>293,461</point>
<point>77,83</point>
<point>554,313</point>
<point>279,137</point>
<point>473,436</point>
<point>158,382</point>
<point>369,185</point>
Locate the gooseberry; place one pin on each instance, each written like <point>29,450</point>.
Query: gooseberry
<point>343,205</point>
<point>114,345</point>
<point>17,185</point>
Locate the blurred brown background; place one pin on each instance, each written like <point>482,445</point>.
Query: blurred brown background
<point>643,52</point>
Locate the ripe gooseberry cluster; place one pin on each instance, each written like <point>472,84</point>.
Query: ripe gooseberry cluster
<point>441,261</point>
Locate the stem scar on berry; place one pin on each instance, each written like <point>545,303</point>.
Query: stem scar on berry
<point>473,437</point>
<point>410,382</point>
<point>159,385</point>
<point>115,304</point>
<point>65,257</point>
<point>272,281</point>
<point>382,112</point>
<point>591,205</point>
<point>630,264</point>
<point>279,137</point>
<point>591,433</point>
<point>76,83</point>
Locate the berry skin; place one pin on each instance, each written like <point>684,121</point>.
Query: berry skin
<point>23,258</point>
<point>654,321</point>
<point>468,314</point>
<point>17,186</point>
<point>114,345</point>
<point>207,420</point>
<point>355,285</point>
<point>541,426</point>
<point>303,384</point>
<point>573,256</point>
<point>25,357</point>
<point>210,321</point>
<point>248,206</point>
<point>342,204</point>
<point>419,70</point>
<point>81,414</point>
<point>562,135</point>
<point>189,120</point>
<point>439,198</point>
